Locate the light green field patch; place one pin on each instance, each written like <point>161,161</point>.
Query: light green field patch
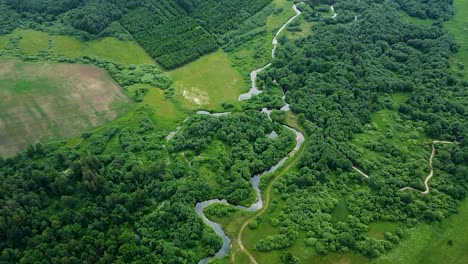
<point>388,126</point>
<point>377,230</point>
<point>167,114</point>
<point>32,42</point>
<point>306,29</point>
<point>437,243</point>
<point>207,82</point>
<point>207,173</point>
<point>42,101</point>
<point>3,41</point>
<point>416,20</point>
<point>257,52</point>
<point>112,49</point>
<point>458,26</point>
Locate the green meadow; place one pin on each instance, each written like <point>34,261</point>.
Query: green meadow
<point>110,48</point>
<point>458,26</point>
<point>207,82</point>
<point>32,42</point>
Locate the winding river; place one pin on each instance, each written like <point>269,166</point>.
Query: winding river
<point>255,180</point>
<point>253,75</point>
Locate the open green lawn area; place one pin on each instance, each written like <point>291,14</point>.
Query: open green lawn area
<point>446,242</point>
<point>458,26</point>
<point>112,49</point>
<point>388,127</point>
<point>3,41</point>
<point>166,113</point>
<point>416,20</point>
<point>208,82</point>
<point>32,42</point>
<point>306,29</point>
<point>42,101</point>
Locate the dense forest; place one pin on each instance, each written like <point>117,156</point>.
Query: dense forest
<point>125,193</point>
<point>88,203</point>
<point>336,79</point>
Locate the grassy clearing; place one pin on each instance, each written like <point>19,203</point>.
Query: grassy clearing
<point>458,26</point>
<point>42,101</point>
<point>306,29</point>
<point>112,49</point>
<point>388,127</point>
<point>207,82</point>
<point>257,52</point>
<point>3,41</point>
<point>416,20</point>
<point>431,243</point>
<point>32,42</point>
<point>166,113</point>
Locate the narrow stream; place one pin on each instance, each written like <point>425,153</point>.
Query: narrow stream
<point>253,75</point>
<point>255,180</point>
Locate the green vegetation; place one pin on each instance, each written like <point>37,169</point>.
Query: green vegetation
<point>458,26</point>
<point>33,42</point>
<point>166,112</point>
<point>208,82</point>
<point>54,104</point>
<point>369,93</point>
<point>434,9</point>
<point>416,20</point>
<point>343,98</point>
<point>111,49</point>
<point>436,243</point>
<point>185,29</point>
<point>250,45</point>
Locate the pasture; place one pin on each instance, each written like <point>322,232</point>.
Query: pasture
<point>112,49</point>
<point>458,26</point>
<point>207,82</point>
<point>42,101</point>
<point>32,43</point>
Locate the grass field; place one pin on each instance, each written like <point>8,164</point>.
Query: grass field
<point>3,41</point>
<point>416,20</point>
<point>42,101</point>
<point>257,52</point>
<point>306,29</point>
<point>430,243</point>
<point>32,42</point>
<point>208,82</point>
<point>112,49</point>
<point>166,113</point>
<point>404,134</point>
<point>458,26</point>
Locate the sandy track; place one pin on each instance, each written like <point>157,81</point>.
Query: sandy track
<point>431,174</point>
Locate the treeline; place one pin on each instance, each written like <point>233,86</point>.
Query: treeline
<point>172,32</point>
<point>335,79</point>
<point>222,16</point>
<point>124,195</point>
<point>172,43</point>
<point>433,9</point>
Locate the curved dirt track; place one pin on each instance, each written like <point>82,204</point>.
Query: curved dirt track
<point>431,174</point>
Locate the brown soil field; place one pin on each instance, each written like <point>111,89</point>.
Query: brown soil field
<point>46,101</point>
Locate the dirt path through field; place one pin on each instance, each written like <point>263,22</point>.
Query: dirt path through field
<point>431,174</point>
